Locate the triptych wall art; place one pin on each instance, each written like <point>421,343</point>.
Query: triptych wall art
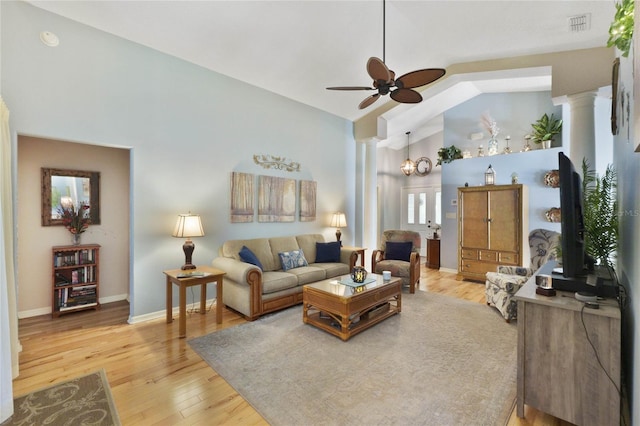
<point>276,198</point>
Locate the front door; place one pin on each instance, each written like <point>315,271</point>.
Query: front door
<point>421,212</point>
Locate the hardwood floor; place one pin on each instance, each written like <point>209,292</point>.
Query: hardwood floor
<point>155,377</point>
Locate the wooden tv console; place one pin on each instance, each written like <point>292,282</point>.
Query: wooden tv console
<point>558,371</point>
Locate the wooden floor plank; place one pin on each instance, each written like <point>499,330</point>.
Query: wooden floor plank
<point>155,377</point>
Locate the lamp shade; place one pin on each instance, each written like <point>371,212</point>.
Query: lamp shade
<point>188,225</point>
<point>338,220</point>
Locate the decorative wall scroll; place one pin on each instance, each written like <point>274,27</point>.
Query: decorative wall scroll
<point>269,161</point>
<point>242,196</point>
<point>307,200</point>
<point>276,199</point>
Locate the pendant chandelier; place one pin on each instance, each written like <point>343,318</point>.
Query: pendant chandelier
<point>408,166</point>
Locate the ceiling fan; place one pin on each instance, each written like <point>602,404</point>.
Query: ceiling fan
<point>384,81</point>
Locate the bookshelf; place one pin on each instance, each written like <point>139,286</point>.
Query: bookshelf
<point>75,278</point>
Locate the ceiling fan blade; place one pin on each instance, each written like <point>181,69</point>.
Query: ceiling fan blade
<point>378,70</point>
<point>368,101</point>
<point>406,96</point>
<point>350,88</point>
<point>419,78</point>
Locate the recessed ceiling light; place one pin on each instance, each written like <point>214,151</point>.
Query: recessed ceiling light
<point>49,39</point>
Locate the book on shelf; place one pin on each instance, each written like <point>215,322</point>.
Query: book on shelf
<point>61,280</point>
<point>70,308</point>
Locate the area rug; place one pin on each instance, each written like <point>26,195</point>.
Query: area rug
<point>85,400</point>
<point>442,361</point>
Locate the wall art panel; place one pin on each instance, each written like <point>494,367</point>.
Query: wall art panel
<point>276,199</point>
<point>308,200</point>
<point>242,196</point>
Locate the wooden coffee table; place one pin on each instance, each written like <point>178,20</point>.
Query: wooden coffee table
<point>345,311</point>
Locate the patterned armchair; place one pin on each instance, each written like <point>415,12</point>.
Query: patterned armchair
<point>503,284</point>
<point>399,253</point>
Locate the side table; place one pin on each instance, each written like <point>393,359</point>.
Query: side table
<point>433,253</point>
<point>201,276</point>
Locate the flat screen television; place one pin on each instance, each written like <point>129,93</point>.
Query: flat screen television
<point>575,263</point>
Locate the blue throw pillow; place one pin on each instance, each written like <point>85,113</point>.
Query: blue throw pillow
<point>246,255</point>
<point>292,259</point>
<point>328,252</point>
<point>398,250</point>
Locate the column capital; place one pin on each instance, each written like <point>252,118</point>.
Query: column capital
<point>582,99</point>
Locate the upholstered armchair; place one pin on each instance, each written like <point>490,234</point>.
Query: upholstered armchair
<point>399,253</point>
<point>503,284</point>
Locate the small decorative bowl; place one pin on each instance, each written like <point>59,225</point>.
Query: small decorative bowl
<point>552,178</point>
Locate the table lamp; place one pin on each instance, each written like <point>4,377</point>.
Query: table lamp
<point>187,226</point>
<point>338,221</point>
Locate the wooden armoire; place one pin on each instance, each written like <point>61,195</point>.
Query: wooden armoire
<point>493,229</point>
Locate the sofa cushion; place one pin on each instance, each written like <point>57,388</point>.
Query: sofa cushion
<point>307,242</point>
<point>333,269</point>
<point>308,274</point>
<point>328,252</point>
<point>292,259</point>
<point>396,250</point>
<point>247,256</point>
<point>398,269</point>
<point>259,246</point>
<point>277,280</point>
<point>281,244</point>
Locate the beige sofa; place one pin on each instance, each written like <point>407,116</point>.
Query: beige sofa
<point>253,292</point>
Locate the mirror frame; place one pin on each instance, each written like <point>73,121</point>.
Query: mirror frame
<point>94,197</point>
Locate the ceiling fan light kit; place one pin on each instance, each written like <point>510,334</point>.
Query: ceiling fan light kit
<point>400,89</point>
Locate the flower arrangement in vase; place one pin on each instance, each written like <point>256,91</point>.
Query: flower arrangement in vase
<point>75,219</point>
<point>493,129</point>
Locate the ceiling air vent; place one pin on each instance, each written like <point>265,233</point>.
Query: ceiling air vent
<point>580,23</point>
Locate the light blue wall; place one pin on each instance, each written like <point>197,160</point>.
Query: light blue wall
<point>627,164</point>
<point>188,128</point>
<point>513,113</point>
<point>531,167</point>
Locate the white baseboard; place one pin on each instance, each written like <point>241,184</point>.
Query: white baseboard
<point>162,314</point>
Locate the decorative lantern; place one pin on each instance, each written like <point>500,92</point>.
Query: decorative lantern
<point>490,176</point>
<point>358,274</point>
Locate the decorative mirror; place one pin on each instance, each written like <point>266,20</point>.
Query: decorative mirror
<point>72,187</point>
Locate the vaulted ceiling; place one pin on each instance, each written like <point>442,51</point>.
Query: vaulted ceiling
<point>298,48</point>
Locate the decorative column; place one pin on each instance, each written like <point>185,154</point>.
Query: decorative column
<point>370,201</point>
<point>583,132</point>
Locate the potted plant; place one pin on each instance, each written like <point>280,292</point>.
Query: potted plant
<point>621,29</point>
<point>448,154</point>
<point>600,212</point>
<point>545,129</point>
